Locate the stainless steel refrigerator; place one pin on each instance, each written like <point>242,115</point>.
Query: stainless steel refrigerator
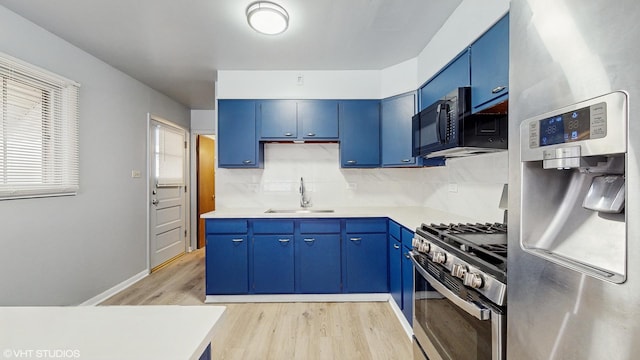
<point>574,180</point>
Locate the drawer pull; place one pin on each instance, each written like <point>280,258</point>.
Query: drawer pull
<point>355,239</point>
<point>288,134</point>
<point>498,89</point>
<point>284,240</point>
<point>311,134</point>
<point>246,162</point>
<point>406,160</point>
<point>351,162</point>
<point>396,246</point>
<point>237,240</point>
<point>310,240</point>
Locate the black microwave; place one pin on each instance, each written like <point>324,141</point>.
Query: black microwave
<point>447,128</point>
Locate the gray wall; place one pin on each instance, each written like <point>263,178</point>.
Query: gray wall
<point>63,251</point>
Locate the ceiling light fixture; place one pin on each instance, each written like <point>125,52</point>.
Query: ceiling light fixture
<point>267,18</point>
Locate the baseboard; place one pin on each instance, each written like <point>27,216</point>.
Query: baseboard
<point>400,315</point>
<point>116,289</point>
<point>296,298</point>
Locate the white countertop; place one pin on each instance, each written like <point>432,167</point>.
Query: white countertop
<point>410,217</point>
<point>107,332</point>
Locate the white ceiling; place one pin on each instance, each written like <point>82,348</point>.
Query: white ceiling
<point>177,46</point>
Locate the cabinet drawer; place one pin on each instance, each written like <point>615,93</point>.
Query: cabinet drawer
<point>394,229</point>
<point>226,226</point>
<point>366,226</point>
<point>407,238</point>
<point>273,226</point>
<point>320,227</point>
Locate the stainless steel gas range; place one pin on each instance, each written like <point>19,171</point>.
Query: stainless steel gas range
<point>460,290</point>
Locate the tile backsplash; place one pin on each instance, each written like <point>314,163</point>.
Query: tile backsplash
<point>466,186</point>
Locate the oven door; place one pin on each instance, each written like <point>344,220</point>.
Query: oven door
<point>449,327</point>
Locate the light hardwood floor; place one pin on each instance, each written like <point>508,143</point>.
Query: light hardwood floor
<point>363,330</point>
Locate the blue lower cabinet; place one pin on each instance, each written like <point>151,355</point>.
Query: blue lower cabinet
<point>227,270</point>
<point>273,264</point>
<point>395,270</point>
<point>407,274</point>
<point>366,263</point>
<point>318,264</point>
<point>407,285</point>
<point>206,355</point>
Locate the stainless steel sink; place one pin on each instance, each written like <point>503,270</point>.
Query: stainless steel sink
<point>297,211</point>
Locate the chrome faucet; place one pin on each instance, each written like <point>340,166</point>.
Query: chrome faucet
<point>305,202</point>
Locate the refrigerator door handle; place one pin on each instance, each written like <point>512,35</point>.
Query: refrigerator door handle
<point>472,309</point>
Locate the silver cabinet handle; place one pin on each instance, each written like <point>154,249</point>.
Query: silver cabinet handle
<point>309,240</point>
<point>355,239</point>
<point>284,240</point>
<point>406,160</point>
<point>407,255</point>
<point>498,89</point>
<point>246,162</point>
<point>288,134</point>
<point>311,134</point>
<point>396,246</point>
<point>237,240</point>
<point>351,161</point>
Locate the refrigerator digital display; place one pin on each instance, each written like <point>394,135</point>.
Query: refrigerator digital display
<point>567,127</point>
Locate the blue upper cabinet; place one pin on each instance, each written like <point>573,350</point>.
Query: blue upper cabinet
<point>490,67</point>
<point>395,118</point>
<point>278,119</point>
<point>359,133</point>
<point>237,143</point>
<point>456,74</point>
<point>318,119</point>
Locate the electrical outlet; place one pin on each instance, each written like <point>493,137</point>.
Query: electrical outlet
<point>136,174</point>
<point>453,187</point>
<point>352,186</point>
<point>300,80</point>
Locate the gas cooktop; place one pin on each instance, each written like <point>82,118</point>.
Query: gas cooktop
<point>481,245</point>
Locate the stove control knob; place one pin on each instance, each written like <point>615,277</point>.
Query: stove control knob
<point>439,257</point>
<point>415,242</point>
<point>474,280</point>
<point>459,271</point>
<point>425,247</point>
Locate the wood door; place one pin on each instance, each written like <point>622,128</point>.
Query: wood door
<point>206,181</point>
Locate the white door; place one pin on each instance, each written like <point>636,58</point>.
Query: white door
<point>167,185</point>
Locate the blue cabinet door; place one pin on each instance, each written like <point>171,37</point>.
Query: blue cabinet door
<point>407,274</point>
<point>226,264</point>
<point>359,133</point>
<point>237,142</point>
<point>395,270</point>
<point>407,285</point>
<point>366,263</point>
<point>318,263</point>
<point>395,119</point>
<point>273,265</point>
<point>278,119</point>
<point>456,74</point>
<point>490,66</point>
<point>318,119</point>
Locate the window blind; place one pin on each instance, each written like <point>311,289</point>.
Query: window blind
<point>38,132</point>
<point>169,156</point>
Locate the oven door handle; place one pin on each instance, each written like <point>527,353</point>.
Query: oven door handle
<point>472,309</point>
